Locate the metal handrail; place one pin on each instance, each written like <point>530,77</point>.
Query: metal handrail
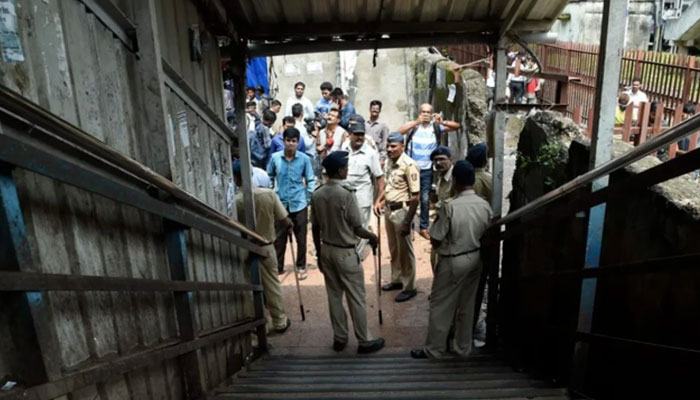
<point>673,134</point>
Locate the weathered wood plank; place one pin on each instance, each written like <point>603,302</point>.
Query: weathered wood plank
<point>41,210</point>
<point>82,56</point>
<point>51,69</point>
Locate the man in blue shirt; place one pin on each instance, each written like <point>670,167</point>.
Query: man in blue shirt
<point>295,183</point>
<point>259,139</point>
<point>422,138</point>
<point>278,140</point>
<point>346,108</point>
<point>325,103</point>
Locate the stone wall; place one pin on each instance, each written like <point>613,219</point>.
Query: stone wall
<point>658,222</point>
<point>585,18</point>
<point>391,81</point>
<point>433,77</point>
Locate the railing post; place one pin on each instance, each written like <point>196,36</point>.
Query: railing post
<point>190,363</point>
<point>31,328</point>
<point>239,63</point>
<point>607,80</point>
<point>687,83</point>
<point>638,64</point>
<point>498,126</point>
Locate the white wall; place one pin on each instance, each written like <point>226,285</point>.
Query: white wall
<point>391,81</point>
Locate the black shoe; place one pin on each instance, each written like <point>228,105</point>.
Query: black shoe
<point>371,347</point>
<point>406,295</point>
<point>282,330</point>
<point>418,353</point>
<point>280,271</point>
<point>392,286</point>
<point>339,346</point>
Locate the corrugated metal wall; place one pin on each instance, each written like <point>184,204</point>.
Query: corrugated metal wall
<point>77,69</point>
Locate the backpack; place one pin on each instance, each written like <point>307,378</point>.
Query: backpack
<point>409,137</point>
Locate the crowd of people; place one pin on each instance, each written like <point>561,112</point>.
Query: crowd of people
<point>328,165</point>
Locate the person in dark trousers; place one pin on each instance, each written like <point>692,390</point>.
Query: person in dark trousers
<point>423,136</point>
<point>295,182</point>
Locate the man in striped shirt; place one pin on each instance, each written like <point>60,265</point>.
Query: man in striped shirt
<point>423,136</point>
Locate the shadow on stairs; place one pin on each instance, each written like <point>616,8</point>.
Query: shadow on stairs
<point>482,376</point>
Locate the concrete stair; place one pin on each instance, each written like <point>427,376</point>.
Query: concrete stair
<point>384,377</point>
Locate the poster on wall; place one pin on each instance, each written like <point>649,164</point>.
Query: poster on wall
<point>9,36</point>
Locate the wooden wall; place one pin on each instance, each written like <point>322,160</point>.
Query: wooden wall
<point>76,68</point>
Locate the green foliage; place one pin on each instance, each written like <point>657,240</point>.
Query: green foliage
<point>548,157</point>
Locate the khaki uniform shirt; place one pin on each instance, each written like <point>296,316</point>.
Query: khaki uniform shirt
<point>268,210</point>
<point>460,223</point>
<point>335,211</point>
<point>483,184</point>
<point>402,179</point>
<point>444,187</point>
<point>363,165</point>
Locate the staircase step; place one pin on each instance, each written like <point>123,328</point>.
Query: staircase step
<point>373,371</point>
<point>245,387</point>
<point>353,357</point>
<point>422,364</point>
<point>370,361</point>
<point>315,379</point>
<point>503,393</point>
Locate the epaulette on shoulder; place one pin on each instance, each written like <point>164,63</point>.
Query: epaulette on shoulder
<point>319,186</point>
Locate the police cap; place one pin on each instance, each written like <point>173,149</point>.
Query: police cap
<point>356,127</point>
<point>477,155</point>
<point>441,151</point>
<point>463,172</point>
<point>395,137</point>
<point>335,161</point>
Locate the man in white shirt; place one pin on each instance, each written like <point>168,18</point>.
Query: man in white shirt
<point>637,97</point>
<point>299,98</point>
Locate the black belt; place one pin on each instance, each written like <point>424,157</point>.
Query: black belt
<point>462,253</point>
<point>351,246</point>
<point>395,206</point>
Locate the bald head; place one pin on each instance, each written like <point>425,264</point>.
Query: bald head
<point>425,113</point>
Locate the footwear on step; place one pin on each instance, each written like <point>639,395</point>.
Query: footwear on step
<point>418,353</point>
<point>406,295</point>
<point>424,234</point>
<point>392,286</point>
<point>339,346</point>
<point>280,271</point>
<point>371,347</point>
<point>302,274</point>
<point>282,330</point>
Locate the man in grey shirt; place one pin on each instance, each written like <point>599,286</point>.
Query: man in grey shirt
<point>377,130</point>
<point>363,170</point>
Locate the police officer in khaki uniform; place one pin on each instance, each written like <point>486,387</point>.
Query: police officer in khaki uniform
<point>400,201</point>
<point>336,226</point>
<point>456,234</point>
<point>483,181</point>
<point>268,212</point>
<point>440,158</point>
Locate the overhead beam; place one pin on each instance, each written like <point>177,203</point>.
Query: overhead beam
<point>276,32</point>
<point>514,13</point>
<point>259,50</point>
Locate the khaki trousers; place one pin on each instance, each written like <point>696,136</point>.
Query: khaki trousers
<point>274,300</point>
<point>343,274</point>
<point>452,298</point>
<point>403,259</point>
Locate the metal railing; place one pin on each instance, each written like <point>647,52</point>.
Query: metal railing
<point>555,336</point>
<point>35,140</point>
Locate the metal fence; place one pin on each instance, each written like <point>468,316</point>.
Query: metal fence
<point>670,79</point>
